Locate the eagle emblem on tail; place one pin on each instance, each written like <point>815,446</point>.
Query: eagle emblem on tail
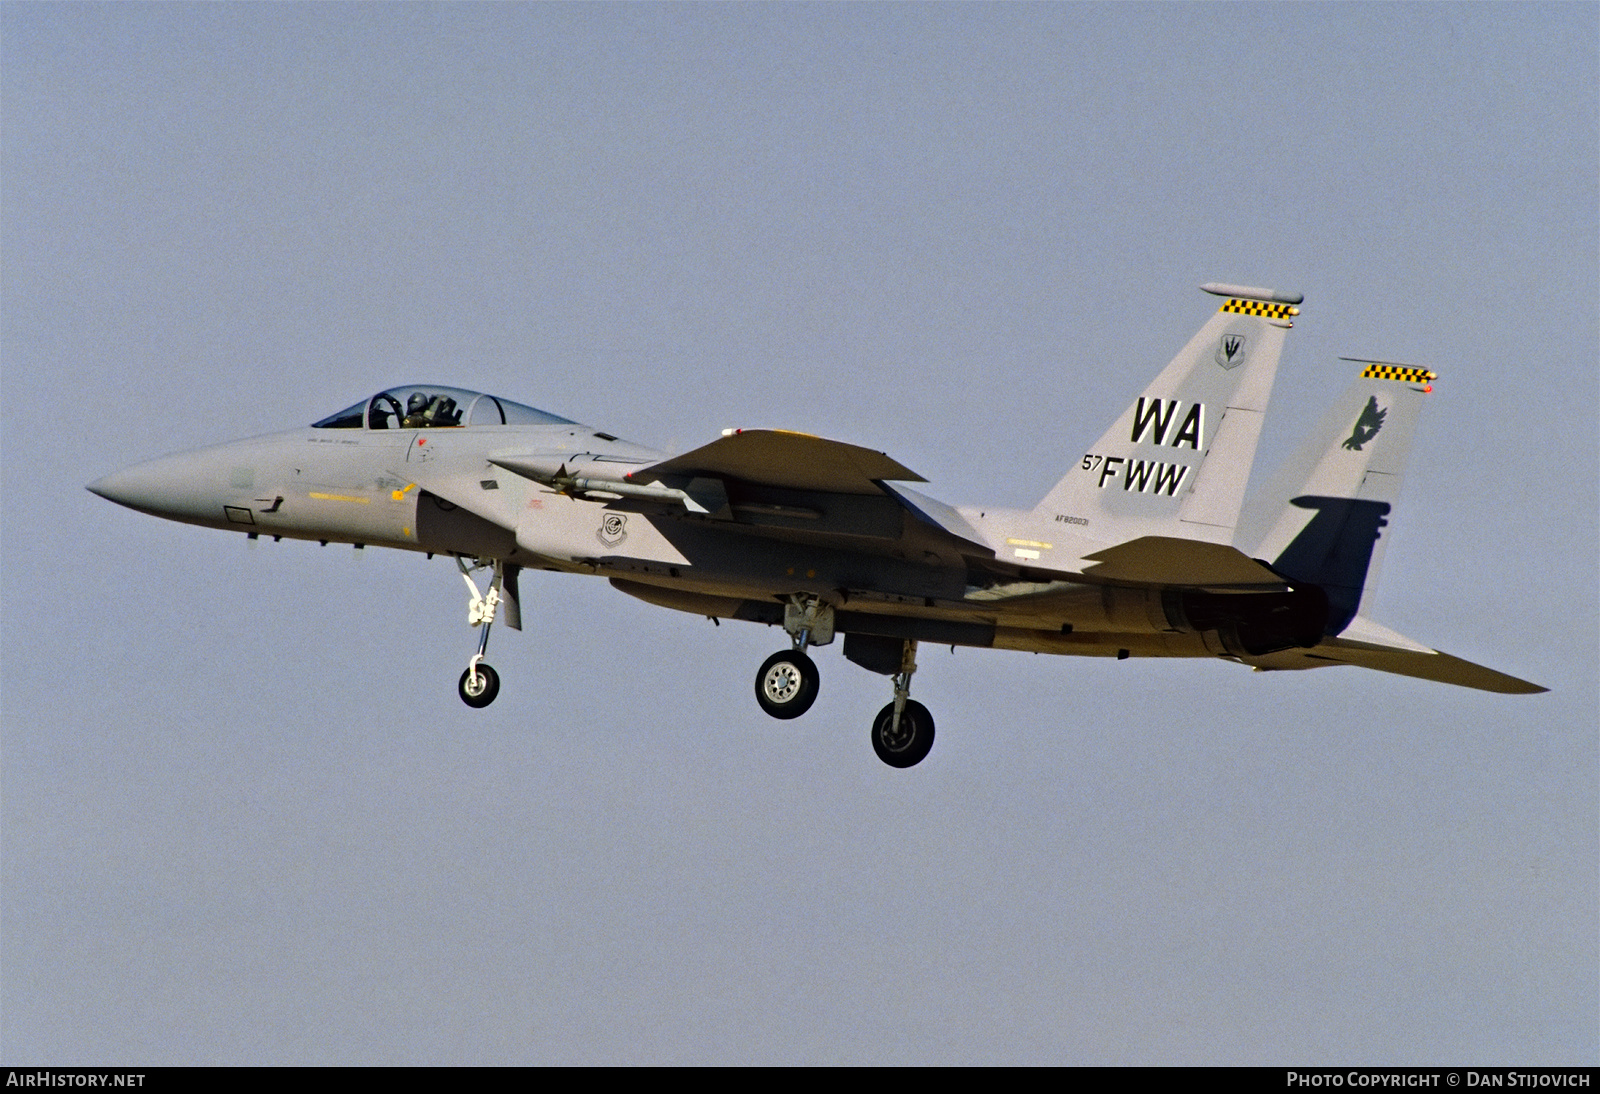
<point>1367,425</point>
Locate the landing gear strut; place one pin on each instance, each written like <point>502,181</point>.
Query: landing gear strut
<point>480,683</point>
<point>902,733</point>
<point>788,681</point>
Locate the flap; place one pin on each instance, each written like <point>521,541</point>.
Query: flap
<point>794,461</point>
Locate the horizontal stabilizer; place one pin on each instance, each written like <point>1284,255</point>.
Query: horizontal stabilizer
<point>1370,645</point>
<point>1166,560</point>
<point>794,461</point>
<point>1436,666</point>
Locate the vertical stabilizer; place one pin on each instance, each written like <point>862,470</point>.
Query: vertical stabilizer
<point>1322,517</point>
<point>1176,462</point>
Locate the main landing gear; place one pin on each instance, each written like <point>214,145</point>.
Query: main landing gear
<point>902,733</point>
<point>480,683</point>
<point>787,683</point>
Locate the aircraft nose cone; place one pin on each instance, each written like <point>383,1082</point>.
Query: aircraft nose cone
<point>179,487</point>
<point>119,486</point>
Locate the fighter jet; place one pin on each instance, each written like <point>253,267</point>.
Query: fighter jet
<point>1144,549</point>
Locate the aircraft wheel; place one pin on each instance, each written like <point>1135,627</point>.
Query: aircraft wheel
<point>479,692</point>
<point>911,745</point>
<point>787,684</point>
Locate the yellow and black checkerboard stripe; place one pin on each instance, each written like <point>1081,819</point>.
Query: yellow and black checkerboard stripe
<point>1260,307</point>
<point>1404,373</point>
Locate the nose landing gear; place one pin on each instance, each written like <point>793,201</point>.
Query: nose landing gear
<point>480,683</point>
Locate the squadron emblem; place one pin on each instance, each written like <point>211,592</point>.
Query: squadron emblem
<point>1230,351</point>
<point>613,529</point>
<point>1366,426</point>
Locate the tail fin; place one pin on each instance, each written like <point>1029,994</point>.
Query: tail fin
<point>1177,460</point>
<point>1320,519</point>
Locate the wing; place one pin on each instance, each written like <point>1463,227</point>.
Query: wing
<point>792,487</point>
<point>1169,561</point>
<point>789,461</point>
<point>816,489</point>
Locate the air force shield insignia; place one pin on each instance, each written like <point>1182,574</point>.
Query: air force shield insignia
<point>613,529</point>
<point>1230,351</point>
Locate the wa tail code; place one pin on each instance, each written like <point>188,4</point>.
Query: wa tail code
<point>1156,418</point>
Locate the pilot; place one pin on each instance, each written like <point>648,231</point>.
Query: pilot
<point>416,412</point>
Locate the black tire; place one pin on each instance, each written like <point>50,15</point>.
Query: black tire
<point>787,684</point>
<point>488,686</point>
<point>912,744</point>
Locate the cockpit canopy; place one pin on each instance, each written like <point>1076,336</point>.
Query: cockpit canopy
<point>432,406</point>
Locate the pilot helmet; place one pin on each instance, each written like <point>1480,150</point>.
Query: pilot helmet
<point>417,403</point>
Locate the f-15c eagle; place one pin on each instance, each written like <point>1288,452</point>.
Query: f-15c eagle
<point>1144,549</point>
